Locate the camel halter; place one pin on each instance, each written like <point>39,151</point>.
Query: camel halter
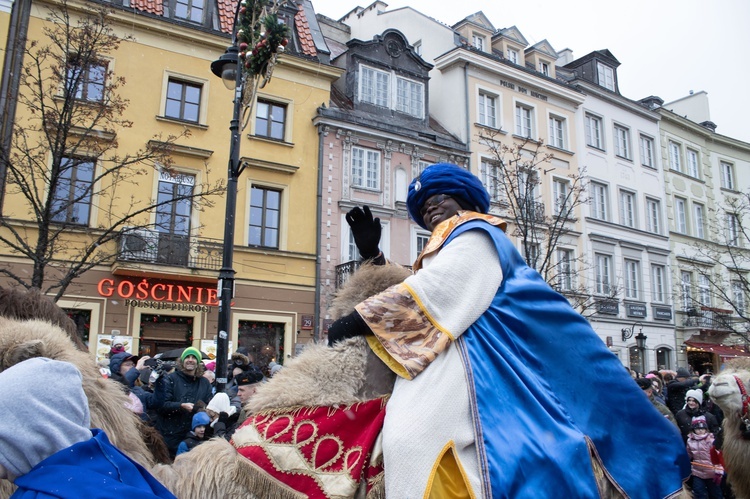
<point>744,417</point>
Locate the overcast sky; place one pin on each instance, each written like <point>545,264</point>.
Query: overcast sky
<point>665,47</point>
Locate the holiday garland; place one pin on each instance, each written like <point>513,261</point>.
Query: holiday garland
<point>261,38</point>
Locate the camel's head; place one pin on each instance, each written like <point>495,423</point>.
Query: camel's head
<point>725,390</point>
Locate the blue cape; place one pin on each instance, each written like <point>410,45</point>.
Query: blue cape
<point>548,391</point>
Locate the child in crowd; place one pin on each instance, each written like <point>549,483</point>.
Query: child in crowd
<point>706,475</point>
<point>198,435</point>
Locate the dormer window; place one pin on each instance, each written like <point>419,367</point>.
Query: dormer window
<point>513,56</point>
<point>386,89</point>
<point>606,76</point>
<point>544,68</point>
<point>478,42</point>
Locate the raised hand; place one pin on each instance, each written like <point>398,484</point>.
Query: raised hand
<point>366,231</point>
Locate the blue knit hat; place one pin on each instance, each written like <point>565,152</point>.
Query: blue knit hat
<point>200,419</point>
<point>446,178</point>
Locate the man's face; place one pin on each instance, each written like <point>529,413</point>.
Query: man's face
<point>438,208</point>
<point>126,366</point>
<point>199,431</point>
<point>190,363</point>
<point>246,391</point>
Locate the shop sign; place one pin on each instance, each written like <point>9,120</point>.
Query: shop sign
<point>635,310</point>
<point>608,307</point>
<point>662,313</point>
<point>159,295</point>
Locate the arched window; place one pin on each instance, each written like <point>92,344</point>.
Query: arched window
<point>402,185</point>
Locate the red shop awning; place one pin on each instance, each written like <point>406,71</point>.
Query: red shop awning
<point>722,350</point>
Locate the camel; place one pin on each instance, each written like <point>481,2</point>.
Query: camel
<point>340,376</point>
<point>729,390</point>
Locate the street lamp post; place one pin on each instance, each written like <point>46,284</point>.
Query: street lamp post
<point>640,340</point>
<point>239,69</point>
<point>227,67</point>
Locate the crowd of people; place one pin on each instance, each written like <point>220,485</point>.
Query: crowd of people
<point>682,397</point>
<point>182,403</point>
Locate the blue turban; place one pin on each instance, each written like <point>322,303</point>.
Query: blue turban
<point>446,178</point>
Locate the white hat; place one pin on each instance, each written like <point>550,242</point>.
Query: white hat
<point>695,394</point>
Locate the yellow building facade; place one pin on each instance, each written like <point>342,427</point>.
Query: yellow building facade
<point>159,289</point>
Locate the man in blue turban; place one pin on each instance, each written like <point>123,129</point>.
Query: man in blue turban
<point>492,365</point>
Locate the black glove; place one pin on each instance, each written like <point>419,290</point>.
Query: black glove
<point>348,326</point>
<point>223,417</point>
<point>366,231</point>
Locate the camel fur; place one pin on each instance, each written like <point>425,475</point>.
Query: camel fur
<point>22,340</point>
<point>725,392</point>
<point>344,374</point>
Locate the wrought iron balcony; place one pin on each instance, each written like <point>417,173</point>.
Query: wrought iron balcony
<point>708,318</point>
<point>532,210</point>
<point>174,250</point>
<point>345,270</point>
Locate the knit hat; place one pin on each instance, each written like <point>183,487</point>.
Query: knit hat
<point>446,178</point>
<point>44,411</point>
<point>220,403</point>
<point>644,383</point>
<point>699,422</point>
<point>695,394</point>
<point>200,419</point>
<point>191,351</point>
<point>249,377</point>
<point>682,372</point>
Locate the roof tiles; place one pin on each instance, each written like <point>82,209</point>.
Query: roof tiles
<point>306,43</point>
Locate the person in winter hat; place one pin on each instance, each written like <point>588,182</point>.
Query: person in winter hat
<point>693,409</point>
<point>677,388</point>
<point>197,435</point>
<point>46,446</point>
<point>706,474</point>
<point>223,415</point>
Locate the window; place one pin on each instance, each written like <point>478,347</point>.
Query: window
<point>704,290</point>
<point>374,86</point>
<point>603,274</point>
<point>423,165</point>
<point>421,241</point>
<point>686,290</point>
<point>418,47</point>
<point>490,174</point>
<point>561,193</point>
<point>352,250</point>
<point>622,142</point>
<point>174,209</point>
<point>564,269</point>
<point>85,79</point>
<point>653,215</point>
<point>680,216</point>
<point>183,100</point>
<point>557,132</point>
<point>727,175</point>
<point>265,211</point>
<point>627,208</point>
<point>699,220</point>
<point>739,299</point>
<point>524,121</point>
<point>513,56</point>
<point>692,163</point>
<point>632,279</point>
<point>478,42</point>
<point>663,358</point>
<point>191,10</point>
<point>532,254</point>
<point>544,68</point>
<point>657,283</point>
<point>487,110</point>
<point>733,229</point>
<point>71,202</point>
<point>270,118</point>
<point>409,97</point>
<point>606,76</point>
<point>365,168</point>
<point>647,151</point>
<point>594,131</point>
<point>599,201</point>
<point>674,156</point>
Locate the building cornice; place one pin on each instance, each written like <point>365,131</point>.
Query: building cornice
<point>487,62</point>
<point>691,126</point>
<point>617,100</point>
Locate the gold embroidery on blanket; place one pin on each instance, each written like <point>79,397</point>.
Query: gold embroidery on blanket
<point>403,328</point>
<point>446,228</point>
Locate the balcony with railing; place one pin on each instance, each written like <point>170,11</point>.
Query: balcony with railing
<point>174,250</point>
<point>709,318</point>
<point>532,210</point>
<point>345,270</point>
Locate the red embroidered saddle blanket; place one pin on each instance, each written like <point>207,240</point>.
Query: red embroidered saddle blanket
<point>321,452</point>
